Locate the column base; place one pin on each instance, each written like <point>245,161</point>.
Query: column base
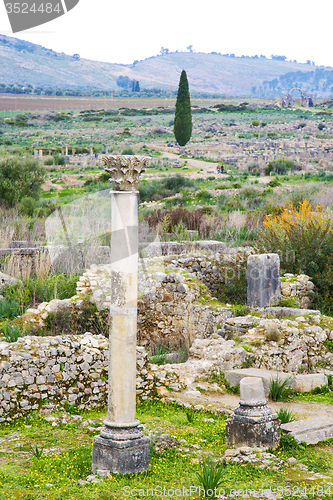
<point>261,434</point>
<point>122,456</point>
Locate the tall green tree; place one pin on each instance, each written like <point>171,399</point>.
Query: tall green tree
<point>182,127</point>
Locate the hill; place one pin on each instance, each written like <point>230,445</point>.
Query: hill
<point>27,63</point>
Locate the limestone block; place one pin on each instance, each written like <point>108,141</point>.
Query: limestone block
<point>234,377</point>
<point>263,280</point>
<point>307,382</point>
<point>251,389</point>
<point>262,434</point>
<point>310,430</point>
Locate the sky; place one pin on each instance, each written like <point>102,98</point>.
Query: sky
<point>124,31</point>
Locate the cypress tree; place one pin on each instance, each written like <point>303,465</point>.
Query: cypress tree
<point>183,117</point>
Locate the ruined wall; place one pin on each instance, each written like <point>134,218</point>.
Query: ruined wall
<point>66,369</point>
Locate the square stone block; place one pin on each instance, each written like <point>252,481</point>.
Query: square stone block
<point>122,457</point>
<point>262,435</point>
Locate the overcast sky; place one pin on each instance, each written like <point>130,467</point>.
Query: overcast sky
<point>123,31</point>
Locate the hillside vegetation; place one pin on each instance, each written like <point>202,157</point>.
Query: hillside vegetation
<point>28,63</point>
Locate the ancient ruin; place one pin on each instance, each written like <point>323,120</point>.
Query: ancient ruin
<point>121,446</point>
<point>288,101</point>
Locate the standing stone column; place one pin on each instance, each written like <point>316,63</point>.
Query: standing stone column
<point>121,447</point>
<point>263,280</point>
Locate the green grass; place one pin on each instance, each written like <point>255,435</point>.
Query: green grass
<point>67,449</point>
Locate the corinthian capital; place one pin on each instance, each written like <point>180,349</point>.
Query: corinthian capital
<point>125,170</point>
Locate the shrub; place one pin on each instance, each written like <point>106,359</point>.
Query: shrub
<point>49,161</point>
<point>303,238</point>
<point>255,123</point>
<point>127,150</point>
<point>281,166</point>
<point>78,320</point>
<point>289,443</point>
<point>11,332</point>
<point>158,189</point>
<point>274,182</point>
<point>19,178</point>
<point>9,309</point>
<point>59,160</point>
<point>158,355</point>
<point>231,287</point>
<point>173,217</point>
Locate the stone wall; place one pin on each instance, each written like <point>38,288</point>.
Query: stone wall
<point>298,287</point>
<point>64,369</point>
<point>169,309</point>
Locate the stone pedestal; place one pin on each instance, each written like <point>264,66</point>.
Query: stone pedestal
<point>263,280</point>
<point>254,424</point>
<point>121,446</point>
<point>123,451</point>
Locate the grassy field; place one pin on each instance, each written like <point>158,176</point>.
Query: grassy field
<point>44,460</point>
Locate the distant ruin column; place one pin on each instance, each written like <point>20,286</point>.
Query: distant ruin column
<point>66,153</point>
<point>121,447</point>
<point>91,150</point>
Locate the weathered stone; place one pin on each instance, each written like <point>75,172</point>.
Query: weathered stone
<point>253,423</point>
<point>263,280</point>
<point>312,430</point>
<point>251,390</point>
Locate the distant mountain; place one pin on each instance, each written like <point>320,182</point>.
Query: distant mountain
<point>27,63</point>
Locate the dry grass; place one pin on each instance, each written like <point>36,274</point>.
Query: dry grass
<point>236,219</point>
<point>25,266</point>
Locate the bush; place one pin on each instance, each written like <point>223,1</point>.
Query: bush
<point>127,150</point>
<point>158,189</point>
<point>303,238</point>
<point>11,332</point>
<point>78,321</point>
<point>28,205</point>
<point>9,309</point>
<point>289,443</point>
<point>59,160</point>
<point>255,123</point>
<point>19,178</point>
<point>281,166</point>
<point>49,161</point>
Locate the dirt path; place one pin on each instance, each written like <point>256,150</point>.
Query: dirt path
<point>228,402</point>
<point>208,168</point>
